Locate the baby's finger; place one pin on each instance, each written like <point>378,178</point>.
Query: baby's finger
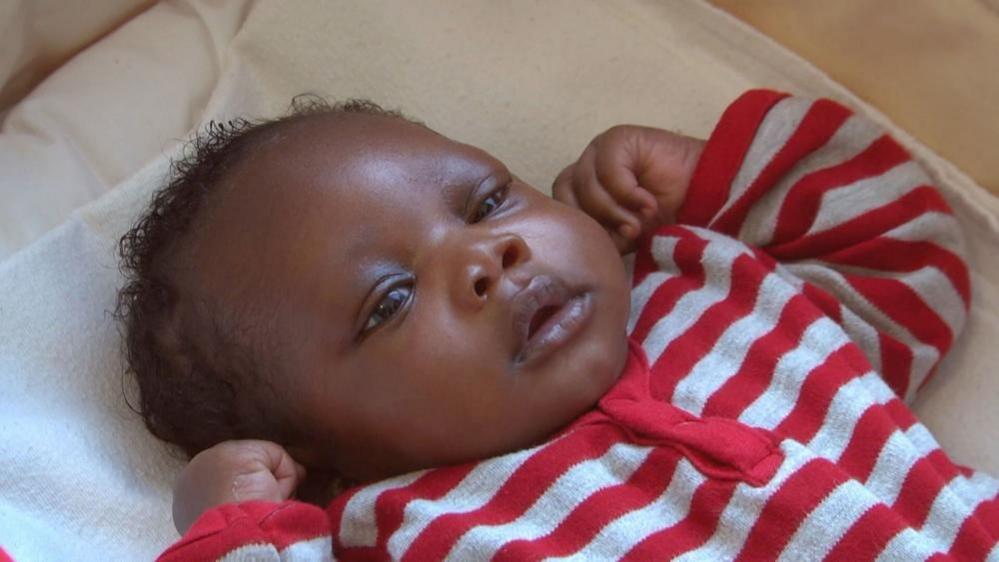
<point>288,476</point>
<point>616,172</point>
<point>624,244</point>
<point>596,202</point>
<point>562,187</point>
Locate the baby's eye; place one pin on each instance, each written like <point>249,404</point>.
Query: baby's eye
<point>488,205</point>
<point>388,306</point>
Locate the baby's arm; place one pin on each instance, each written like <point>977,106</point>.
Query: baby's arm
<point>233,498</point>
<point>844,208</point>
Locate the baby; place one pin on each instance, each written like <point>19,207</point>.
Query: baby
<point>348,294</point>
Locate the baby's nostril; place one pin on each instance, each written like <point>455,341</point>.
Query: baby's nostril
<point>509,256</point>
<point>480,286</point>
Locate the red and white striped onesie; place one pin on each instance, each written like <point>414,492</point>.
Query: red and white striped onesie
<point>812,284</point>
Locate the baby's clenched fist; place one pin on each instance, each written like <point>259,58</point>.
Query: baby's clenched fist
<point>631,179</point>
<point>234,471</point>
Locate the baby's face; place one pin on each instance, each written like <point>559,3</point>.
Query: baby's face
<point>428,307</point>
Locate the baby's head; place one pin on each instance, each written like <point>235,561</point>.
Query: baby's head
<point>370,294</point>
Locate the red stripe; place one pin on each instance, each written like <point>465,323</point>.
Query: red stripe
<point>228,527</point>
<point>824,300</point>
<point>390,505</point>
<point>988,514</point>
<point>521,490</point>
<point>868,536</point>
<point>723,155</point>
<point>680,355</point>
<point>819,124</point>
<point>757,370</point>
<point>870,434</point>
<point>979,532</point>
<point>788,507</point>
<point>896,363</point>
<point>804,198</point>
<point>594,513</point>
<point>701,522</point>
<point>687,255</point>
<point>644,264</point>
<point>867,225</point>
<point>903,305</point>
<point>334,512</point>
<point>944,466</point>
<point>820,386</point>
<point>920,488</point>
<point>903,417</point>
<point>902,256</point>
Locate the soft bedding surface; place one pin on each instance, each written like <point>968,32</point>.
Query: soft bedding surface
<point>80,478</point>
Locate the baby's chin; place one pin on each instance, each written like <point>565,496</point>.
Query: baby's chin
<point>601,370</point>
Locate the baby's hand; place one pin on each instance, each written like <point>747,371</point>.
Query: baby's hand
<point>233,471</point>
<point>631,179</point>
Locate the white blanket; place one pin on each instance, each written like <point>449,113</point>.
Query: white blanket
<point>80,479</point>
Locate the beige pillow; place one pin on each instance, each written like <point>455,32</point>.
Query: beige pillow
<point>36,36</point>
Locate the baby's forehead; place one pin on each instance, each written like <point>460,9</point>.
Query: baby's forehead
<point>361,146</point>
<point>349,171</point>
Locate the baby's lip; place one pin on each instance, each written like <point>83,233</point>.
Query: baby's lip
<point>542,292</point>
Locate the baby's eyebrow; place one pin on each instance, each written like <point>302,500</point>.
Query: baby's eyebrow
<point>456,194</point>
<point>361,240</point>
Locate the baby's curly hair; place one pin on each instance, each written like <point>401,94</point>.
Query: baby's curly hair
<point>201,376</point>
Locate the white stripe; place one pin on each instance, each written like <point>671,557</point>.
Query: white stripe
<point>828,522</point>
<point>622,534</point>
<point>358,526</point>
<point>901,451</point>
<point>574,486</point>
<point>923,356</point>
<point>717,260</point>
<point>777,127</point>
<point>975,487</point>
<point>743,509</point>
<point>820,339</point>
<point>641,295</point>
<point>790,277</point>
<point>895,460</point>
<point>319,549</point>
<point>854,136</point>
<point>940,295</point>
<point>955,503</point>
<point>848,405</point>
<point>475,490</point>
<point>252,553</point>
<point>662,252</point>
<point>934,226</point>
<point>843,204</point>
<point>864,335</point>
<point>922,440</point>
<point>907,546</point>
<point>729,352</point>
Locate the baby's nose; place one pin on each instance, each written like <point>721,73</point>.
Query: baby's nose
<point>483,264</point>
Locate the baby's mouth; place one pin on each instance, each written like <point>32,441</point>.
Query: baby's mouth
<point>546,315</point>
